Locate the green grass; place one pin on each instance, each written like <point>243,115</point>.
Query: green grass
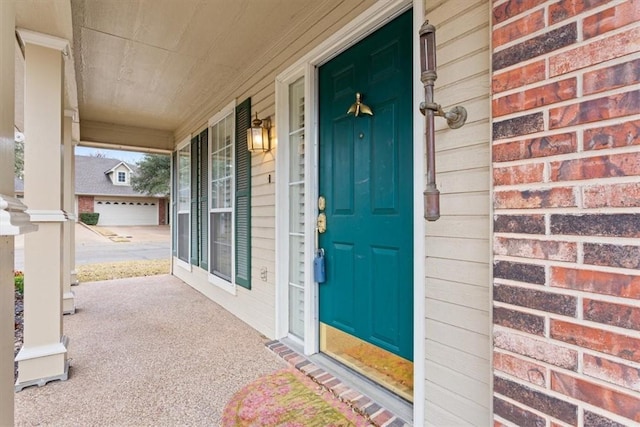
<point>18,280</point>
<point>122,270</point>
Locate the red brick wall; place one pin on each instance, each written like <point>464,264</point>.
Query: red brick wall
<point>85,204</point>
<point>566,170</point>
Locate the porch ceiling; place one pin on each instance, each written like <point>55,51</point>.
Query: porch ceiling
<point>152,64</point>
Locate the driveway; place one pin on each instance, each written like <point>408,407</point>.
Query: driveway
<point>127,244</point>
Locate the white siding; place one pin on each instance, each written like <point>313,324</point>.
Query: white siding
<point>458,317</point>
<point>457,282</point>
<point>257,306</point>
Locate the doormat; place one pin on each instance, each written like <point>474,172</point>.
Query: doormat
<point>288,398</point>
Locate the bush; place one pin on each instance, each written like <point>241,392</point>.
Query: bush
<point>89,218</point>
<point>18,280</point>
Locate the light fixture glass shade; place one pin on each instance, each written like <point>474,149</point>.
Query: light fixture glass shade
<point>258,138</point>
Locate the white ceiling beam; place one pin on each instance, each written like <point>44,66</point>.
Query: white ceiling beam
<point>119,137</point>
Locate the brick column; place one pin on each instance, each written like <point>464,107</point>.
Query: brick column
<point>85,204</point>
<point>68,297</point>
<point>566,171</point>
<point>43,357</point>
<point>162,211</point>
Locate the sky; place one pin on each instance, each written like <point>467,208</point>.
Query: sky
<point>127,156</point>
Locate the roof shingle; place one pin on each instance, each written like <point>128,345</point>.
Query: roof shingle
<point>91,178</point>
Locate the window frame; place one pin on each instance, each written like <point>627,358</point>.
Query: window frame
<point>124,177</point>
<point>291,183</point>
<point>228,285</point>
<point>284,84</point>
<point>186,143</point>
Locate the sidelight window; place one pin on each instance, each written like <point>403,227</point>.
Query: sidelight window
<point>296,209</point>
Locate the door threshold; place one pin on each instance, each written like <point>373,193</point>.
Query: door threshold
<point>376,403</point>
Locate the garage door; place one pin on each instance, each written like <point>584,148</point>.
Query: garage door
<point>126,212</point>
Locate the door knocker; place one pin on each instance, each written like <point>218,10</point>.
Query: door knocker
<point>358,107</point>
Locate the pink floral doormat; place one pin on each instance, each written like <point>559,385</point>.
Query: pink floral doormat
<point>288,398</point>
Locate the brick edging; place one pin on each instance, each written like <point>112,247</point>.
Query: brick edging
<point>375,413</point>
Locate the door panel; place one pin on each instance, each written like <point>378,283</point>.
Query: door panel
<point>367,180</point>
<point>343,305</point>
<point>384,161</point>
<point>342,161</point>
<point>385,264</point>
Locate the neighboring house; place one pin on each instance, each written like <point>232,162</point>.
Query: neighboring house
<point>519,306</point>
<point>103,185</point>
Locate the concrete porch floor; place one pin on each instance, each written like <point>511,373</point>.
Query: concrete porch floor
<point>148,351</point>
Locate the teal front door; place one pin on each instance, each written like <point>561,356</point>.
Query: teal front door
<point>366,178</point>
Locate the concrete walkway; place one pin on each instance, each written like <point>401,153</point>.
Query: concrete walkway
<point>148,351</point>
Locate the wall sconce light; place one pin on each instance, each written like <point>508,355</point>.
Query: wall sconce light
<point>456,117</point>
<point>258,138</point>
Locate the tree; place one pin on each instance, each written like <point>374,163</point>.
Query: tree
<point>153,175</point>
<point>19,159</point>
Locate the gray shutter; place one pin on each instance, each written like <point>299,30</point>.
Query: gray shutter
<point>203,190</point>
<point>195,211</point>
<point>174,203</point>
<point>243,196</point>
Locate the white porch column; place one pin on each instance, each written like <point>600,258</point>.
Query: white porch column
<point>72,212</point>
<point>6,299</point>
<point>68,195</point>
<point>13,220</point>
<point>43,356</point>
<point>7,89</point>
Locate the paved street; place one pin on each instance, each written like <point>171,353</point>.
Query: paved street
<point>132,243</point>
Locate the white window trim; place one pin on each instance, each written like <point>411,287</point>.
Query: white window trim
<point>373,18</point>
<point>125,180</point>
<point>219,282</point>
<point>419,229</point>
<point>180,263</point>
<point>283,83</point>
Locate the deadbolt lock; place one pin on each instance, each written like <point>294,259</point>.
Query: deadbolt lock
<point>322,223</point>
<point>322,203</point>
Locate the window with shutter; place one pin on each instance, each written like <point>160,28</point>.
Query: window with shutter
<point>174,203</point>
<point>197,234</point>
<point>221,198</point>
<point>203,200</point>
<point>195,211</point>
<point>208,219</point>
<point>243,195</point>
